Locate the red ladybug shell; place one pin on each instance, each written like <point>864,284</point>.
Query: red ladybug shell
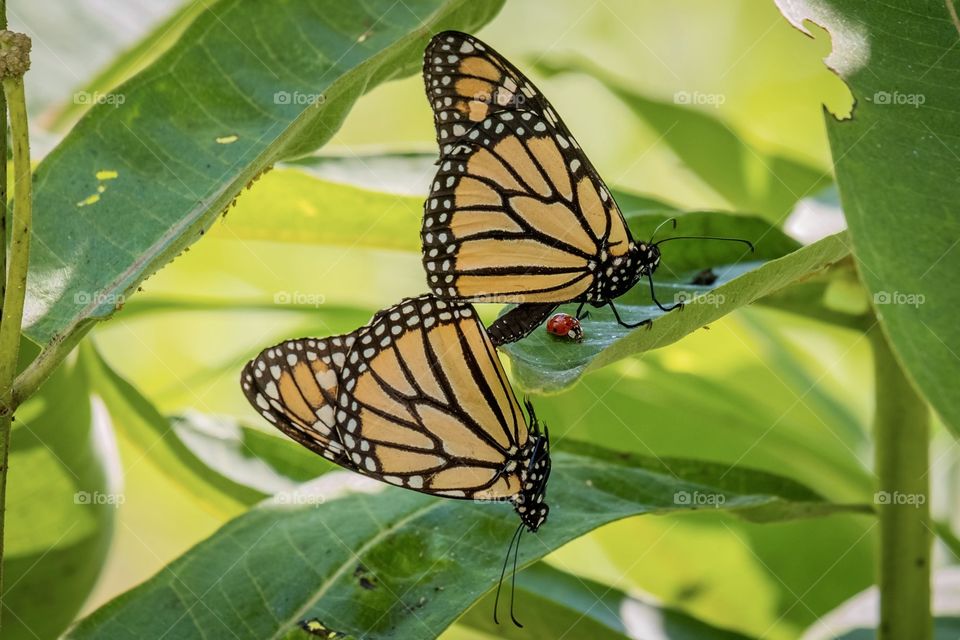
<point>565,325</point>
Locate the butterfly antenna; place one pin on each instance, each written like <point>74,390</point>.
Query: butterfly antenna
<point>503,572</point>
<point>741,240</point>
<point>659,226</point>
<point>513,580</point>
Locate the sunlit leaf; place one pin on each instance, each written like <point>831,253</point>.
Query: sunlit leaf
<point>896,164</point>
<point>135,183</point>
<point>398,564</point>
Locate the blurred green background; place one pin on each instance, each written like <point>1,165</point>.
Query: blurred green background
<point>762,387</point>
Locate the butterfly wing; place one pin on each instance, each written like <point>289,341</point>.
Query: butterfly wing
<point>513,216</point>
<point>425,403</point>
<point>295,384</point>
<point>467,81</point>
<point>516,213</point>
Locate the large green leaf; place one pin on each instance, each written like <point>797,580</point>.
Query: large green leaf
<point>542,363</point>
<point>555,604</point>
<point>121,67</point>
<point>135,183</point>
<point>896,163</point>
<point>748,178</point>
<point>305,209</point>
<point>398,564</point>
<point>61,505</point>
<point>220,462</point>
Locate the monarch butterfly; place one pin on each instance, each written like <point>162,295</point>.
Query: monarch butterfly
<point>516,212</point>
<point>416,398</point>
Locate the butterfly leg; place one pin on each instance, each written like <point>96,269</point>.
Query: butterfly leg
<point>581,314</point>
<point>657,302</point>
<point>648,322</point>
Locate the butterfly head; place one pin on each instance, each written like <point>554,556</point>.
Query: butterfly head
<point>646,258</point>
<point>530,503</point>
<point>624,271</point>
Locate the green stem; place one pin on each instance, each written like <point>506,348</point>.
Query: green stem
<point>15,48</point>
<point>3,177</point>
<point>902,433</point>
<point>37,372</point>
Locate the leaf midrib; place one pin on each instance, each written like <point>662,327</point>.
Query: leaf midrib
<point>325,586</point>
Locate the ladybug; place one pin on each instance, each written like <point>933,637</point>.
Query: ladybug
<point>564,325</point>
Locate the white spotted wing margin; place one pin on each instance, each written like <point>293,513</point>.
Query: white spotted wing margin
<point>294,386</point>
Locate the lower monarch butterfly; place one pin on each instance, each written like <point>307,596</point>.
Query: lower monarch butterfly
<point>517,213</point>
<point>416,398</point>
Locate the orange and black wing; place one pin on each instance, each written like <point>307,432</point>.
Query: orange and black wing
<point>425,404</point>
<point>295,384</point>
<point>515,216</point>
<point>516,212</point>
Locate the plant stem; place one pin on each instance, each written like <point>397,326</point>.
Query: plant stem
<point>902,433</point>
<point>15,49</point>
<point>37,372</point>
<point>3,177</point>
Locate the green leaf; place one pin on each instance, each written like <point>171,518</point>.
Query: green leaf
<point>554,604</point>
<point>748,178</point>
<point>136,418</point>
<point>398,564</point>
<point>225,465</point>
<point>307,210</point>
<point>125,65</point>
<point>544,364</point>
<point>896,165</point>
<point>61,505</point>
<point>265,462</point>
<point>134,184</point>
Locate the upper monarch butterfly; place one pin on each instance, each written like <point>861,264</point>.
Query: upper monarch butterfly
<point>417,398</point>
<point>516,212</point>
